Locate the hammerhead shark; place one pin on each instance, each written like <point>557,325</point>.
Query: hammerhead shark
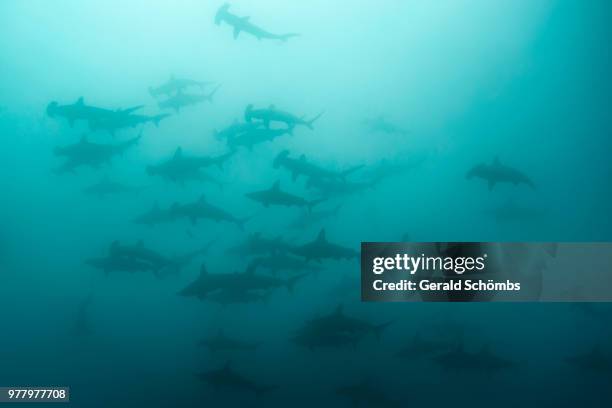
<point>181,100</point>
<point>116,122</point>
<point>86,153</point>
<point>243,24</point>
<point>272,114</point>
<point>321,248</point>
<point>254,136</point>
<point>248,282</point>
<point>301,166</point>
<point>80,111</point>
<point>175,85</point>
<point>497,172</point>
<point>202,209</point>
<point>275,196</point>
<point>181,168</point>
<point>336,329</point>
<point>234,130</point>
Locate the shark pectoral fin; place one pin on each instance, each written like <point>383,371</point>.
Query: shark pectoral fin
<point>491,184</point>
<point>294,175</point>
<point>236,32</point>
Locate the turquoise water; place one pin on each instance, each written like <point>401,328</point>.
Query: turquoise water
<point>463,81</point>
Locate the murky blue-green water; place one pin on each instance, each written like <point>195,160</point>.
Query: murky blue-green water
<point>432,87</point>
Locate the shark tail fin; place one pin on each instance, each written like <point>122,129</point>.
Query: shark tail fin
<point>312,203</point>
<point>351,170</point>
<point>285,37</point>
<point>531,184</point>
<point>159,118</point>
<point>378,329</point>
<point>134,140</point>
<point>310,122</point>
<point>210,96</point>
<point>241,221</point>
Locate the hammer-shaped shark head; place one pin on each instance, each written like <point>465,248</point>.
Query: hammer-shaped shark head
<point>476,171</point>
<point>221,13</point>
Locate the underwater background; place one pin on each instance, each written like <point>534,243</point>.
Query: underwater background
<point>412,95</point>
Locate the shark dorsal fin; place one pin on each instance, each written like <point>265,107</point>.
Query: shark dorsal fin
<point>303,157</point>
<point>496,161</point>
<point>220,333</point>
<point>272,107</point>
<point>174,206</point>
<point>203,271</point>
<point>80,101</point>
<point>84,138</point>
<point>202,199</point>
<point>321,237</point>
<point>178,153</point>
<point>276,186</point>
<point>114,246</point>
<point>140,243</point>
<point>172,77</point>
<point>227,366</point>
<point>156,206</point>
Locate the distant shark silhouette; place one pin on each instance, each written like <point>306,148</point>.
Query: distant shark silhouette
<point>243,24</point>
<point>497,172</point>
